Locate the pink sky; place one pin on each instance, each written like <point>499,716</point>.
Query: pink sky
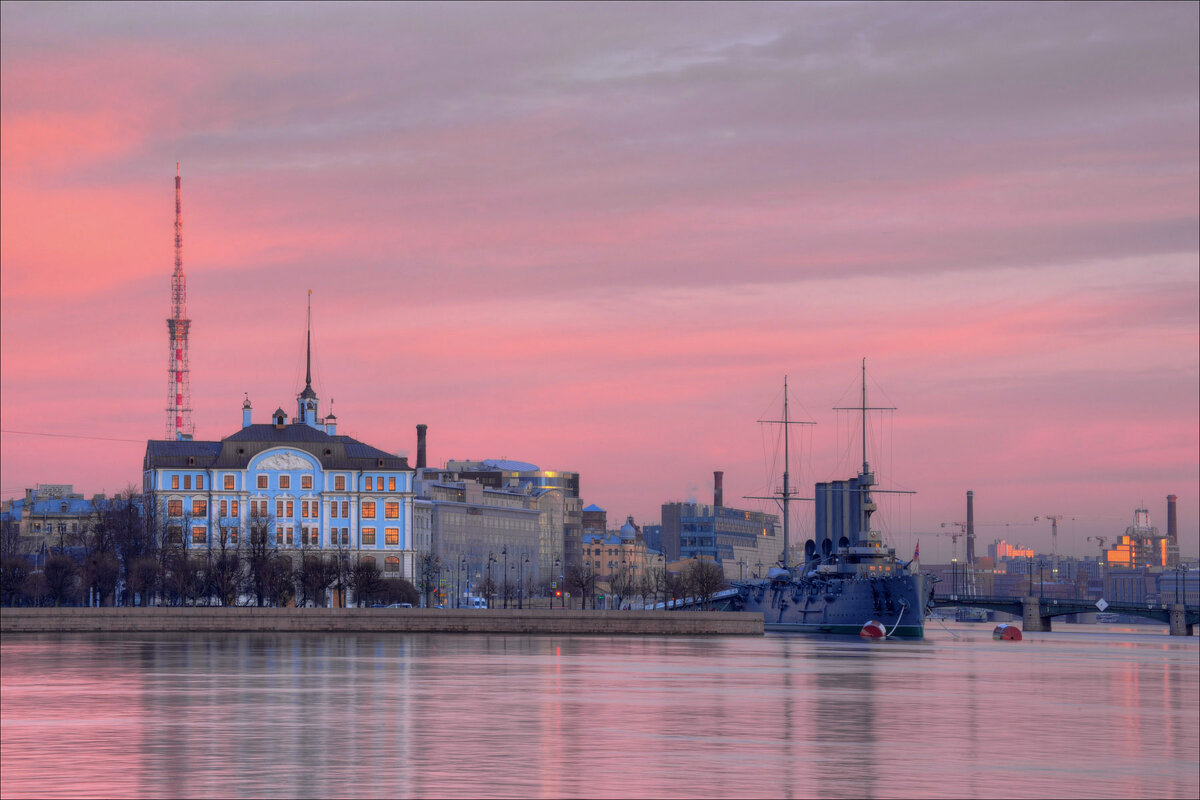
<point>596,237</point>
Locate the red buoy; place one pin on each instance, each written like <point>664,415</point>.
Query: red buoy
<point>873,630</point>
<point>1004,631</point>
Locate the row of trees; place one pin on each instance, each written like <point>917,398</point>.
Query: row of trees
<point>122,556</point>
<point>701,579</point>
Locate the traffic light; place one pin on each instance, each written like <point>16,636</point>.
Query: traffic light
<point>558,593</point>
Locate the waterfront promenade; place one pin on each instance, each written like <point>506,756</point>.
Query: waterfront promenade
<point>232,619</point>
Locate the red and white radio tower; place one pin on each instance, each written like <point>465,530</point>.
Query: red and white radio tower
<point>179,391</point>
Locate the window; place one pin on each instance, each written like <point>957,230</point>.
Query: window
<point>368,537</point>
<point>233,508</point>
<point>391,536</point>
<point>199,481</point>
<point>392,510</point>
<point>346,509</point>
<point>391,484</point>
<point>367,560</point>
<point>228,481</point>
<point>279,508</point>
<point>233,535</point>
<point>333,509</point>
<point>291,509</point>
<point>262,482</point>
<point>199,535</point>
<point>304,535</point>
<point>368,509</point>
<point>339,483</point>
<point>304,508</point>
<point>370,483</point>
<point>224,509</point>
<point>187,481</point>
<point>391,564</point>
<point>288,534</point>
<point>306,481</point>
<point>346,537</point>
<point>174,481</point>
<point>174,508</point>
<point>175,534</point>
<point>279,535</point>
<point>199,508</point>
<point>285,481</point>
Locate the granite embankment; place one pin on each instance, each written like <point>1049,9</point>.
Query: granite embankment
<point>378,620</point>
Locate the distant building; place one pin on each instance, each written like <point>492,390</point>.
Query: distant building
<point>1142,546</point>
<point>311,488</point>
<point>743,542</point>
<point>51,515</point>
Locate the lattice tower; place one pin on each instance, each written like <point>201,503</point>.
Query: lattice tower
<point>179,391</point>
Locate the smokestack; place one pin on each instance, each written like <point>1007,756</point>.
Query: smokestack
<point>718,488</point>
<point>1172,529</point>
<point>421,446</point>
<point>970,528</point>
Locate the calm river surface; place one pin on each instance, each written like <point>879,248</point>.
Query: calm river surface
<point>1074,713</point>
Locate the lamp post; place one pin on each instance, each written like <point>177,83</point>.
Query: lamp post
<point>521,583</point>
<point>1029,564</point>
<point>465,587</point>
<point>1041,577</point>
<point>561,591</point>
<point>504,553</point>
<point>491,583</point>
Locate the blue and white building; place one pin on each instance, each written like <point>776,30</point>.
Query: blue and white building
<point>312,488</point>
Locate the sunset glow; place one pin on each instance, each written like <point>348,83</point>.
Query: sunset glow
<point>595,237</point>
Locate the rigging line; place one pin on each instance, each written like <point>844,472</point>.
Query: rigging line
<point>72,436</point>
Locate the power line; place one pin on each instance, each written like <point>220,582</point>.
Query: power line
<point>72,436</point>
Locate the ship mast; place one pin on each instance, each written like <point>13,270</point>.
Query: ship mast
<point>784,497</point>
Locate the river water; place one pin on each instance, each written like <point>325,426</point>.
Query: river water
<point>1081,712</point>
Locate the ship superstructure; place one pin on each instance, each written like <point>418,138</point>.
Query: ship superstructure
<point>848,576</point>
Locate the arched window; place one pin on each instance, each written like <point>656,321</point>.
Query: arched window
<point>391,564</point>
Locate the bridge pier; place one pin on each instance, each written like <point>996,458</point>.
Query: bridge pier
<point>1031,616</point>
<point>1179,625</point>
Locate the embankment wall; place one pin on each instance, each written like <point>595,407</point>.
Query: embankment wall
<point>379,620</point>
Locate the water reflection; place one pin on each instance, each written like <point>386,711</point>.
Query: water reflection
<point>444,715</point>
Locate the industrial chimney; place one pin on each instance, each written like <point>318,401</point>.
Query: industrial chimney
<point>421,446</point>
<point>1172,531</point>
<point>718,488</point>
<point>970,528</point>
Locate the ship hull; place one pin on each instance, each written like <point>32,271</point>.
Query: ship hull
<point>838,605</point>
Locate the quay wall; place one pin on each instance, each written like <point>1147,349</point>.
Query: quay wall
<point>378,620</point>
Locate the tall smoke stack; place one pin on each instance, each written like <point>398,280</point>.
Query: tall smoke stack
<point>718,488</point>
<point>421,446</point>
<point>1172,530</point>
<point>970,528</point>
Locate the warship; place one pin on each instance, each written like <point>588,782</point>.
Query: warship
<point>848,577</point>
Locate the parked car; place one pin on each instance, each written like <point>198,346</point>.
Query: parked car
<point>400,605</point>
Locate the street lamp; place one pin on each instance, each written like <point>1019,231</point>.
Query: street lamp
<point>504,553</point>
<point>491,583</point>
<point>464,588</point>
<point>561,590</point>
<point>521,583</point>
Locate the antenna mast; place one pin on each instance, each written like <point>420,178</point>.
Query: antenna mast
<point>179,391</point>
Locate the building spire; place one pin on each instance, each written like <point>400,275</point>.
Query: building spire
<point>308,345</point>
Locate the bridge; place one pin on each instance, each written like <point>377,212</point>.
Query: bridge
<point>1036,612</point>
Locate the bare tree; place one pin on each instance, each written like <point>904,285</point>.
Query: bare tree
<point>366,581</point>
<point>259,555</point>
<point>61,579</point>
<point>703,579</point>
<point>654,583</point>
<point>622,583</point>
<point>313,578</point>
<point>429,571</point>
<point>223,577</point>
<point>280,580</point>
<point>581,579</point>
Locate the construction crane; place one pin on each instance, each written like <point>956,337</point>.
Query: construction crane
<point>958,529</point>
<point>1054,518</point>
<point>1101,540</point>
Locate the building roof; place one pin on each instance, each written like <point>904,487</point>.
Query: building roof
<point>594,507</point>
<point>236,451</point>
